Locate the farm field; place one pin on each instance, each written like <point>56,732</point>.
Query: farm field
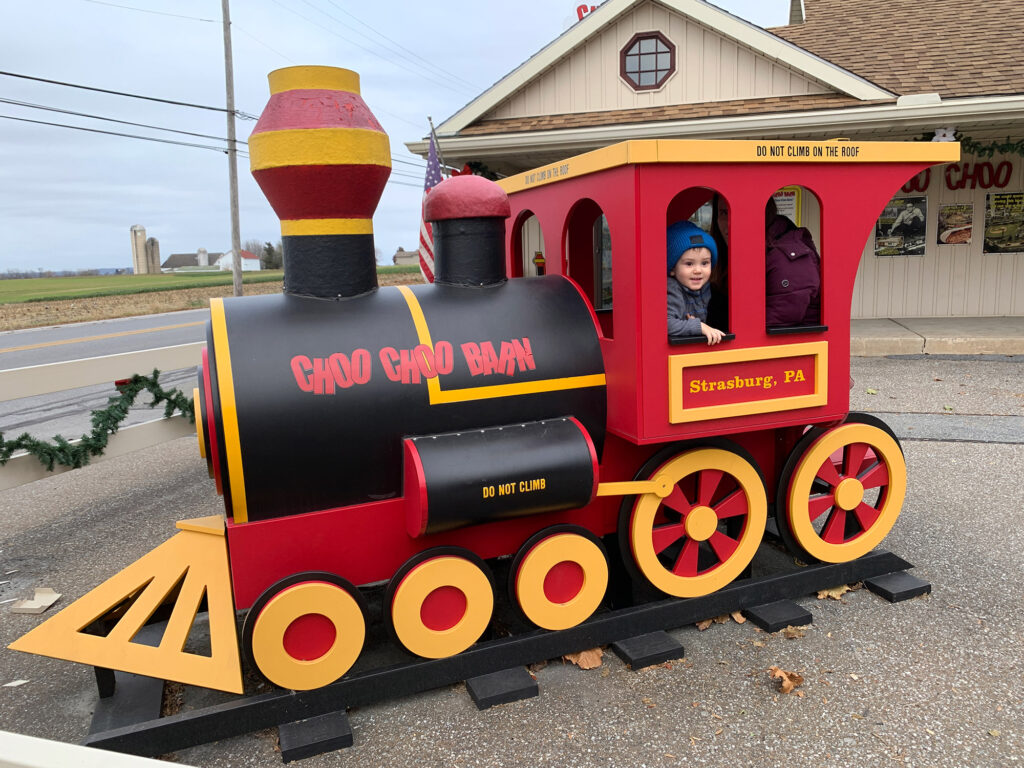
<point>52,305</point>
<point>57,288</point>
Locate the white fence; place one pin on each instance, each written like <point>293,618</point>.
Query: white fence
<point>56,377</point>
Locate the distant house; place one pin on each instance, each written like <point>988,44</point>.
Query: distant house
<point>202,259</point>
<point>404,258</point>
<point>250,261</point>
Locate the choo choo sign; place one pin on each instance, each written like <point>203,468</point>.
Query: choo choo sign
<point>717,385</point>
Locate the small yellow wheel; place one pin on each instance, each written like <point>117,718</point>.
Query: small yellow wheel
<point>307,634</point>
<point>706,531</point>
<point>560,578</point>
<point>440,604</point>
<point>845,491</point>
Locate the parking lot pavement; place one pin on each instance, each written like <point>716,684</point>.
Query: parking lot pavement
<point>934,681</point>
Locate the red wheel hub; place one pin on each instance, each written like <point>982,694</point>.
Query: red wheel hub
<point>563,582</point>
<point>443,608</point>
<point>309,637</point>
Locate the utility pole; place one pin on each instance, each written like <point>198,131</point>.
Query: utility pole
<point>229,84</point>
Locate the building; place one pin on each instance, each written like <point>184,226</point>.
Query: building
<point>250,261</point>
<point>404,258</point>
<point>865,70</point>
<point>202,259</point>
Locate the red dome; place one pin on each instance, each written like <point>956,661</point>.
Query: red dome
<point>466,197</point>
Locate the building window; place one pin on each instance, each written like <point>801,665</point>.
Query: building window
<point>647,61</point>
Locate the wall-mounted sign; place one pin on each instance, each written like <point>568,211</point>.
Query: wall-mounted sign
<point>788,203</point>
<point>1004,223</point>
<point>900,229</point>
<point>955,224</point>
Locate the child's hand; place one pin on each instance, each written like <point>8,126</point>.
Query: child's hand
<point>713,334</point>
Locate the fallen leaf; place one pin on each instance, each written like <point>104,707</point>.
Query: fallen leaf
<point>993,733</point>
<point>738,617</point>
<point>947,408</point>
<point>855,716</point>
<point>871,391</point>
<point>649,702</point>
<point>590,659</point>
<point>792,633</point>
<point>758,644</point>
<point>854,677</point>
<point>723,619</point>
<point>669,754</point>
<point>695,704</point>
<point>717,717</point>
<point>789,680</point>
<point>833,592</point>
<point>702,625</point>
<point>14,683</point>
<point>719,731</point>
<point>936,379</point>
<point>43,599</point>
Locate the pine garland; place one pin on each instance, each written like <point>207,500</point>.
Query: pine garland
<point>104,423</point>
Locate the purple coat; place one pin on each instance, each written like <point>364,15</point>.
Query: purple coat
<point>792,275</point>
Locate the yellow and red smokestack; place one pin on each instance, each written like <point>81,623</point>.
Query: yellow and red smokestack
<point>322,160</point>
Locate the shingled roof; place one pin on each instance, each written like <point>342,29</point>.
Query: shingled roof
<point>956,48</point>
<point>771,104</point>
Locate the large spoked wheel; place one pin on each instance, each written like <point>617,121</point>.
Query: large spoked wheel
<point>705,532</point>
<point>305,631</point>
<point>440,602</point>
<point>841,490</point>
<point>559,577</point>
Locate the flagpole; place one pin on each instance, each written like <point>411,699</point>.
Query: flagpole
<point>437,146</point>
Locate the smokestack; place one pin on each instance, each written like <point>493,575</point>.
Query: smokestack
<point>322,160</point>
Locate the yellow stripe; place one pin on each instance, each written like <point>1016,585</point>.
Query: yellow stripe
<point>98,338</point>
<point>733,151</point>
<point>197,412</point>
<point>438,397</point>
<point>228,410</point>
<point>326,227</point>
<point>319,146</point>
<point>327,78</point>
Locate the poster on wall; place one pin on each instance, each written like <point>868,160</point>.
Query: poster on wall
<point>900,229</point>
<point>955,224</point>
<point>787,202</point>
<point>1004,223</point>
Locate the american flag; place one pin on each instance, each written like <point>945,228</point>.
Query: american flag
<point>432,178</point>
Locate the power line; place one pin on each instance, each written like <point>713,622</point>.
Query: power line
<point>234,25</point>
<point>240,114</point>
<point>358,45</point>
<point>428,63</point>
<point>110,119</point>
<point>115,133</point>
<point>145,10</point>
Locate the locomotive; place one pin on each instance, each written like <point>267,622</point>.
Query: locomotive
<point>410,437</point>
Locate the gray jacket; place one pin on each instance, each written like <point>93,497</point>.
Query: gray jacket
<point>687,309</point>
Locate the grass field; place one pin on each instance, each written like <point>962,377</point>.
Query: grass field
<point>58,288</point>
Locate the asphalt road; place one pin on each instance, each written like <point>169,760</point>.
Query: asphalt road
<point>934,681</point>
<point>67,413</point>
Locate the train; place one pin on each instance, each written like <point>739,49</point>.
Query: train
<point>395,443</point>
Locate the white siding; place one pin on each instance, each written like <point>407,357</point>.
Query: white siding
<point>709,67</point>
<point>949,280</point>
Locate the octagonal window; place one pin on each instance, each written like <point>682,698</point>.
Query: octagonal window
<point>647,61</point>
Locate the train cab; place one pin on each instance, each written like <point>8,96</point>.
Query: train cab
<point>600,218</point>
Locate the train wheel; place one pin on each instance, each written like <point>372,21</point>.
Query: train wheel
<point>440,602</point>
<point>306,631</point>
<point>559,577</point>
<point>841,490</point>
<point>703,534</point>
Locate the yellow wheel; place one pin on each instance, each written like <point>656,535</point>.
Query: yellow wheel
<point>304,634</point>
<point>440,604</point>
<point>560,577</point>
<point>844,492</point>
<point>705,532</point>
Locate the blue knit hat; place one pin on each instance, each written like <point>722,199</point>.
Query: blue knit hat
<point>682,236</point>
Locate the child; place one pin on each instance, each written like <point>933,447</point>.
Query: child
<point>692,255</point>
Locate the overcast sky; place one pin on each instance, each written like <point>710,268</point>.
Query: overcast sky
<point>68,198</point>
